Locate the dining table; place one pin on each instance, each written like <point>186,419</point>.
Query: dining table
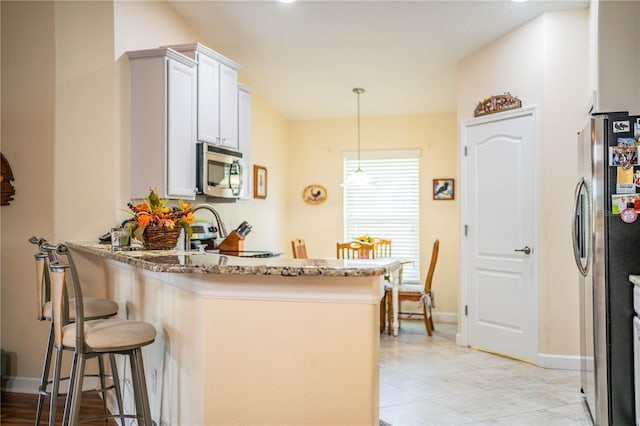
<point>395,278</point>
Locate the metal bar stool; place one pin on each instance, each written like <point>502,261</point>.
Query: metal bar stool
<point>88,339</point>
<point>95,308</point>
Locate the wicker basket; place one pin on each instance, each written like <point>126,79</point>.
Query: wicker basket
<point>157,238</point>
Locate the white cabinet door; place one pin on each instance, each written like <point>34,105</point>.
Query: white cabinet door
<point>208,99</point>
<point>228,106</point>
<point>163,108</point>
<point>181,146</point>
<point>244,139</point>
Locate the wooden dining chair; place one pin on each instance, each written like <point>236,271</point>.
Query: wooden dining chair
<point>299,248</point>
<point>354,250</point>
<point>417,293</point>
<point>382,248</point>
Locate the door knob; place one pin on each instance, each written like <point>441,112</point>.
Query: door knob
<point>525,250</point>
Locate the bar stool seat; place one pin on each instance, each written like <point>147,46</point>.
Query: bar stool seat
<point>110,335</point>
<point>94,308</point>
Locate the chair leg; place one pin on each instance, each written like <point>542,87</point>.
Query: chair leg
<point>76,397</point>
<point>67,402</point>
<point>428,323</point>
<point>55,387</point>
<point>135,382</point>
<point>383,312</point>
<point>389,315</point>
<point>142,383</point>
<point>46,366</point>
<point>116,382</point>
<point>103,384</point>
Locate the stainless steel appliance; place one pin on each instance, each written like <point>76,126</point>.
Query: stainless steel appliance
<point>204,233</point>
<point>606,251</point>
<point>219,171</point>
<point>636,349</point>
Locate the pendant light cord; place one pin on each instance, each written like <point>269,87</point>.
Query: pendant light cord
<point>358,91</point>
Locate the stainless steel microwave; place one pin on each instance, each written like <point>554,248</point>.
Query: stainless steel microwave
<point>220,171</point>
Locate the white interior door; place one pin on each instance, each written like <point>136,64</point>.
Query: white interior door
<point>499,246</point>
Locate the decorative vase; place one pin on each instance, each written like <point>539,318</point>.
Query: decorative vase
<point>159,238</point>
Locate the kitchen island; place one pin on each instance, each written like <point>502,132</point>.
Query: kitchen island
<point>250,341</point>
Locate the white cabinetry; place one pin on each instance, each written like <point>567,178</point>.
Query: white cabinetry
<point>163,111</point>
<point>244,138</point>
<point>217,95</point>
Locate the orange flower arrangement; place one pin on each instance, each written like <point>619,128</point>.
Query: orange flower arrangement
<point>153,212</point>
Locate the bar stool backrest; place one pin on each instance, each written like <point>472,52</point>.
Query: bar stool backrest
<point>45,254</point>
<point>60,273</point>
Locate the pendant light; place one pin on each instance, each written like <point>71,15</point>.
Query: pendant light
<point>359,177</point>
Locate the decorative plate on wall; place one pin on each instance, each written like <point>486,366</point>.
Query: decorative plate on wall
<point>314,194</point>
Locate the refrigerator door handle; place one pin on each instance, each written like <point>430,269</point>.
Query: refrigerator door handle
<point>577,243</point>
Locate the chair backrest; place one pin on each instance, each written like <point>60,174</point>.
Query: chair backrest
<point>43,284</point>
<point>299,249</point>
<point>432,266</point>
<point>61,273</point>
<point>354,250</point>
<point>382,248</point>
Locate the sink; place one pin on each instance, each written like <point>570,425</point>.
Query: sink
<point>249,253</point>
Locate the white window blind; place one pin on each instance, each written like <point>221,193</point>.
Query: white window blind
<point>390,209</point>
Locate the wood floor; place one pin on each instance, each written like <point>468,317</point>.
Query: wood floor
<point>20,409</point>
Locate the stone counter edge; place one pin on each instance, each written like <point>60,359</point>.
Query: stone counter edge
<point>242,266</point>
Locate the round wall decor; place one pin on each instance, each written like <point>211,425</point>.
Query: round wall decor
<point>314,194</point>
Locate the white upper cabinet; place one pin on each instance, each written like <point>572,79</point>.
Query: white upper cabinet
<point>217,95</point>
<point>244,138</point>
<point>163,123</point>
<point>208,102</point>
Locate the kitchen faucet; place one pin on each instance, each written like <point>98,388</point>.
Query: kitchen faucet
<point>222,231</point>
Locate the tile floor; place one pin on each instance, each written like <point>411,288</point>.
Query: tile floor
<point>432,381</point>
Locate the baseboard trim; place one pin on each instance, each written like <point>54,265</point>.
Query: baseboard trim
<point>20,384</point>
<point>30,384</point>
<point>445,317</point>
<point>563,362</point>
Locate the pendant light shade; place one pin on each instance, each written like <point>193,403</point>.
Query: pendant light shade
<point>359,177</point>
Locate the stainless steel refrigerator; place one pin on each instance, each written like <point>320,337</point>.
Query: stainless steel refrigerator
<point>607,251</point>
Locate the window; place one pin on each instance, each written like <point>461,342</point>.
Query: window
<point>390,209</point>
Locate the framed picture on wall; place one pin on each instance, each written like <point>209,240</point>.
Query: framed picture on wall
<point>259,182</point>
<point>443,189</point>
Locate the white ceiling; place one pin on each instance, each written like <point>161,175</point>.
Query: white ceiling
<point>306,57</point>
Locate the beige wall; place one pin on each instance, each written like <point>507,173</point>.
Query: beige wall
<point>315,157</point>
<point>28,87</point>
<point>65,92</point>
<point>539,63</point>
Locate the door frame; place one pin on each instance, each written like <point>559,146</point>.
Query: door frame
<point>462,335</point>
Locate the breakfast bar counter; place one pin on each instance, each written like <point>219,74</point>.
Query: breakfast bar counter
<point>250,340</point>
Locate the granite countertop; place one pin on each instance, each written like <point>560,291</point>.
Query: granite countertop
<point>176,261</point>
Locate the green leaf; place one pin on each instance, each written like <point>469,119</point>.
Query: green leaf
<point>138,233</point>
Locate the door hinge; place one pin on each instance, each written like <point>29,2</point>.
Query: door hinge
<point>465,151</point>
<point>466,310</point>
<point>466,230</point>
